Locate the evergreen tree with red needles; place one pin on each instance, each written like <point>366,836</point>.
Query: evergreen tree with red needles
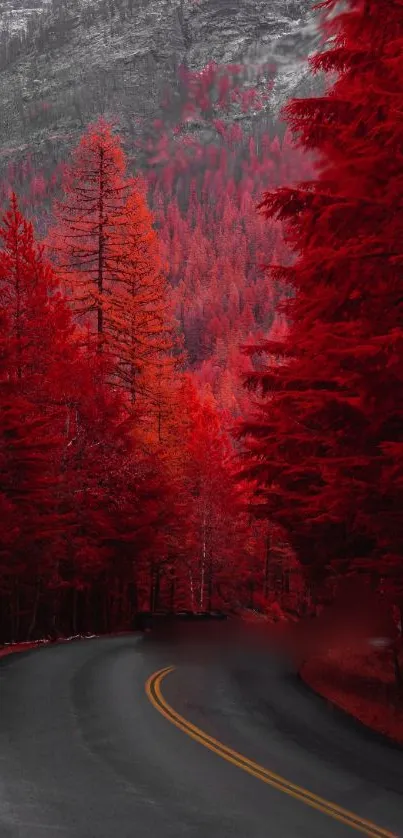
<point>35,346</point>
<point>141,325</point>
<point>81,506</point>
<point>89,220</point>
<point>327,441</point>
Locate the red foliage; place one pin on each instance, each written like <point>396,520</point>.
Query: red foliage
<point>214,243</point>
<point>130,509</point>
<point>77,494</point>
<point>89,224</point>
<point>328,437</point>
<point>120,487</point>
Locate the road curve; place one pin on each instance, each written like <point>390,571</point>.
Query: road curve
<point>88,749</point>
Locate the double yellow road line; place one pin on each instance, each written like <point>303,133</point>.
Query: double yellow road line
<point>153,690</point>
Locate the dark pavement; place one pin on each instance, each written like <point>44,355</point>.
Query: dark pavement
<point>84,754</point>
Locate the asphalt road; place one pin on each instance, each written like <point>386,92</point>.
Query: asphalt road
<point>86,751</point>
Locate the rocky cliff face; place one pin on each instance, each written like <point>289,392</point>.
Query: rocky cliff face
<point>63,62</point>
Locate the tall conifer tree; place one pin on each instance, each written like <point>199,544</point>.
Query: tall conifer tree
<point>327,443</point>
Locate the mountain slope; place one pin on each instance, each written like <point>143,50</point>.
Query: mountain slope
<point>63,62</point>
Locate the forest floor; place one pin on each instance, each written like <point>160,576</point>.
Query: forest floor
<point>362,685</point>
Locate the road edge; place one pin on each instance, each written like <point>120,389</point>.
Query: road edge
<point>350,718</point>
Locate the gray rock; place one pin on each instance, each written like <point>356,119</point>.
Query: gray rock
<point>64,62</point>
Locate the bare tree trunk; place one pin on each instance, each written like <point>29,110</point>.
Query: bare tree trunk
<point>157,588</point>
<point>203,565</point>
<point>52,623</point>
<point>267,566</point>
<point>124,606</point>
<point>210,586</point>
<point>172,594</point>
<point>201,595</point>
<point>154,587</point>
<point>16,613</point>
<point>133,599</point>
<point>12,611</point>
<point>114,605</point>
<point>397,667</point>
<point>397,648</point>
<point>74,613</point>
<point>101,245</point>
<point>192,594</point>
<point>88,612</point>
<point>32,625</point>
<point>106,608</point>
<point>151,605</point>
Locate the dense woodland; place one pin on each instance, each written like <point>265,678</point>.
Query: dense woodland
<point>201,354</point>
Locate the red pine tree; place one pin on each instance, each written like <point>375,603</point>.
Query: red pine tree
<point>88,219</point>
<point>35,338</point>
<point>141,324</point>
<point>329,436</point>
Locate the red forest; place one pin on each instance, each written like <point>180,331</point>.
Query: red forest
<point>202,353</point>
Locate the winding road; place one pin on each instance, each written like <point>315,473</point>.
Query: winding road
<point>130,736</point>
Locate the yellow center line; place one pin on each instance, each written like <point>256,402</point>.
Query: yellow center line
<point>153,691</point>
